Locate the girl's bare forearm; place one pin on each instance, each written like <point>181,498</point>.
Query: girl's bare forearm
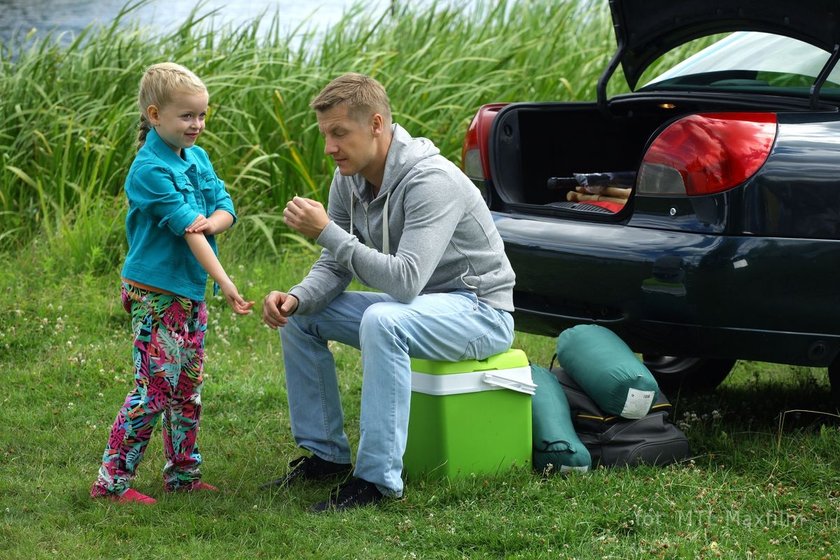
<point>203,252</point>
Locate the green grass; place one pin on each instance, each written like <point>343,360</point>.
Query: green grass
<point>763,481</point>
<point>68,113</point>
<point>753,489</point>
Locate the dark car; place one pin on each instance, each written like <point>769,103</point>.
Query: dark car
<point>698,217</point>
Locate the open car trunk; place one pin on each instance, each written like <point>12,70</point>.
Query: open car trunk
<point>540,151</point>
<point>536,150</point>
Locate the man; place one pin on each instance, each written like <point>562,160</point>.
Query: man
<point>406,222</point>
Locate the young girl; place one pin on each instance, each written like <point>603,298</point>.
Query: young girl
<point>176,204</point>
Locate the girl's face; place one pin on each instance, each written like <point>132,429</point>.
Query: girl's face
<point>181,120</point>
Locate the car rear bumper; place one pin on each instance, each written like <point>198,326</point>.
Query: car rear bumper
<point>674,339</point>
<point>678,293</point>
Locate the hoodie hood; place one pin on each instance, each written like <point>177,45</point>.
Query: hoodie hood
<point>403,154</point>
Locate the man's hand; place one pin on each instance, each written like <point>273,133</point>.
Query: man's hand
<point>277,307</point>
<point>306,216</point>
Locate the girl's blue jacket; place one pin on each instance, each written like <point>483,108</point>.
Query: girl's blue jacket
<point>166,193</point>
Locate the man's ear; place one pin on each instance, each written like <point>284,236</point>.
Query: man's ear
<point>377,124</point>
<point>154,115</point>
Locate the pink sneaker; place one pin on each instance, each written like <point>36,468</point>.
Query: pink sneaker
<point>132,495</point>
<point>195,486</point>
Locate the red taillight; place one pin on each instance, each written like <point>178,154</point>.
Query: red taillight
<point>475,159</point>
<point>707,153</point>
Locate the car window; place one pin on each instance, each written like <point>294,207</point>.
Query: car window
<point>750,61</point>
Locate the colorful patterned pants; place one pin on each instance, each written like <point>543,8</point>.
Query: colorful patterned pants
<point>168,373</point>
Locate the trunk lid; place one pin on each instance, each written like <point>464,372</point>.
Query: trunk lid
<point>647,29</point>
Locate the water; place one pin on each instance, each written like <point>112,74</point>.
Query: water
<point>68,17</point>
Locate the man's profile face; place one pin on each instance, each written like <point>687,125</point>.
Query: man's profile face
<point>351,142</point>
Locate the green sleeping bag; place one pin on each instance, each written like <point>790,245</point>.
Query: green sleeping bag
<point>607,370</point>
<point>556,444</point>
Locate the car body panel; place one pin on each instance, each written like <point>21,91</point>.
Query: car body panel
<point>651,285</point>
<point>795,194</point>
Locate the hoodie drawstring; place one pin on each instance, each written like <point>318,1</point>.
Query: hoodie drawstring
<point>386,238</point>
<point>352,204</point>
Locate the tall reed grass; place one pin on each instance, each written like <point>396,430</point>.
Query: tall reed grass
<point>68,107</point>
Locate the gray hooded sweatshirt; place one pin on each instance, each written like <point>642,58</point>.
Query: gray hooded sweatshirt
<point>440,235</point>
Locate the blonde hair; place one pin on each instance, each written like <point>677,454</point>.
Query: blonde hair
<point>157,87</point>
<point>362,94</point>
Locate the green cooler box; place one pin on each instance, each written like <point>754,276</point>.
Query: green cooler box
<point>469,417</point>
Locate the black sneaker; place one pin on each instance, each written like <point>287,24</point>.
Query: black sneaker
<point>355,493</point>
<point>311,468</point>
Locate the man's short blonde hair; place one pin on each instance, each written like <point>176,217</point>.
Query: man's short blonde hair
<point>362,95</point>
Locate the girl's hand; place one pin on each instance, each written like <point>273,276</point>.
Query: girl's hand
<point>219,221</point>
<point>200,225</point>
<point>236,301</point>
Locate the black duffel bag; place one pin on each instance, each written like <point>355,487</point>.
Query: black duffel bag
<point>613,441</point>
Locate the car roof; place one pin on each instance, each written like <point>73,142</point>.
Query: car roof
<point>647,29</point>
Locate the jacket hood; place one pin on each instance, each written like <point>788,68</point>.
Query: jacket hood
<point>403,154</point>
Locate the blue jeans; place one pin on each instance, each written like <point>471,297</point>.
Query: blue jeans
<point>447,327</point>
